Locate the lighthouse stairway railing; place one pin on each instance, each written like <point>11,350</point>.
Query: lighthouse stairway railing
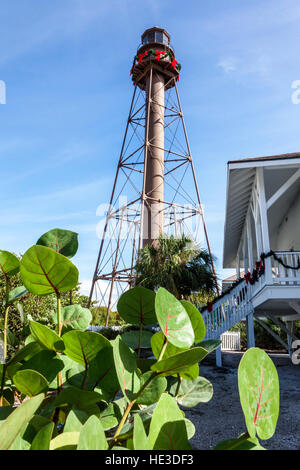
<point>235,306</point>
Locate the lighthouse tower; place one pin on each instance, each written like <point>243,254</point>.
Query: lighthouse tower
<point>155,191</point>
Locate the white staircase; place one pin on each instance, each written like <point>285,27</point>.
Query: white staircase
<point>228,310</point>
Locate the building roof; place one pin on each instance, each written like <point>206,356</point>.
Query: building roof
<point>240,178</point>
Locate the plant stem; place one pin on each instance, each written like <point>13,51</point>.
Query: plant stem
<point>2,383</point>
<point>179,378</point>
<point>162,352</point>
<point>140,340</point>
<point>58,313</point>
<point>6,317</point>
<point>128,409</point>
<point>59,379</point>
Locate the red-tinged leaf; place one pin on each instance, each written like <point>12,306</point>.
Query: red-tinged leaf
<point>173,319</point>
<point>259,393</point>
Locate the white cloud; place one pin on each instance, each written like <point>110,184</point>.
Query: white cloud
<point>228,64</point>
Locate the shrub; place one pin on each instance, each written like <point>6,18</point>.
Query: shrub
<point>67,388</point>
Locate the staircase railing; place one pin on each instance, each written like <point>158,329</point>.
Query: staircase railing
<point>228,310</point>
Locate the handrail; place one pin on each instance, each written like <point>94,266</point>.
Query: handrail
<point>237,303</point>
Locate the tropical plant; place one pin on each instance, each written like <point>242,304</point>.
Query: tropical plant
<point>68,388</point>
<point>177,264</point>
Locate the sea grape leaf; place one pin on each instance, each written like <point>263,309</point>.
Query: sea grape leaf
<point>75,420</point>
<point>134,341</point>
<point>44,271</point>
<point>42,439</point>
<point>16,293</point>
<point>126,368</point>
<point>259,393</point>
<point>157,342</point>
<point>30,382</point>
<point>196,320</point>
<point>46,337</point>
<point>153,391</point>
<point>46,363</point>
<point>25,353</point>
<point>9,263</point>
<point>191,393</point>
<point>168,428</point>
<point>111,416</point>
<point>140,439</point>
<point>81,399</point>
<point>179,362</point>
<point>13,424</point>
<point>137,306</point>
<point>65,441</point>
<point>92,436</point>
<point>61,241</point>
<point>209,344</point>
<point>74,317</point>
<point>240,443</point>
<point>83,346</point>
<point>173,319</point>
<point>28,432</point>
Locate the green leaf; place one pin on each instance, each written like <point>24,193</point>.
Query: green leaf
<point>111,416</point>
<point>61,241</point>
<point>28,432</point>
<point>259,393</point>
<point>9,263</point>
<point>126,368</point>
<point>168,429</point>
<point>30,382</point>
<point>102,372</point>
<point>47,363</point>
<point>140,439</point>
<point>209,344</point>
<point>241,443</point>
<point>75,420</point>
<point>153,391</point>
<point>83,346</point>
<point>16,293</point>
<point>137,306</point>
<point>43,438</point>
<point>11,427</point>
<point>131,338</point>
<point>173,320</point>
<point>92,436</point>
<point>192,392</point>
<point>81,399</point>
<point>25,353</point>
<point>179,362</point>
<point>45,272</point>
<point>74,317</point>
<point>46,337</point>
<point>157,342</point>
<point>196,320</point>
<point>65,441</point>
<point>190,428</point>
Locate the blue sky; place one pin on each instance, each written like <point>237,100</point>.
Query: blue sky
<point>66,67</point>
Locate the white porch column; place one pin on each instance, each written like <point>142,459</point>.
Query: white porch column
<point>219,357</point>
<point>250,330</point>
<point>264,222</point>
<point>250,244</point>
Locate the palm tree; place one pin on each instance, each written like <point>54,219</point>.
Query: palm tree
<point>177,264</point>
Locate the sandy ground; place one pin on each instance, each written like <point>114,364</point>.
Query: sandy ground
<point>222,417</point>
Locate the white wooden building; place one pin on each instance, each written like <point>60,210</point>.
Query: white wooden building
<point>262,217</point>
